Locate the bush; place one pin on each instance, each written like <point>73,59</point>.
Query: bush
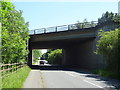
<point>55,57</point>
<point>36,55</point>
<point>108,46</point>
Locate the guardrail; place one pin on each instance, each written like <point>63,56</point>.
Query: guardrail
<point>64,28</point>
<point>6,68</point>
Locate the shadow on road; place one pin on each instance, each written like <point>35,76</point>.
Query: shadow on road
<point>86,73</point>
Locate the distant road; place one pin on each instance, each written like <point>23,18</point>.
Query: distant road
<point>67,79</point>
<point>38,63</point>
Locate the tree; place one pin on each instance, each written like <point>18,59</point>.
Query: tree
<point>45,55</point>
<point>109,46</point>
<point>55,57</point>
<point>36,55</point>
<point>14,34</point>
<point>109,43</point>
<point>109,16</point>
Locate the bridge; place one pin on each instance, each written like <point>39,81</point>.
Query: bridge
<point>77,41</point>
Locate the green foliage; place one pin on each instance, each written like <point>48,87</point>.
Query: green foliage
<point>16,80</point>
<point>36,55</point>
<point>55,57</point>
<point>45,55</point>
<point>109,16</point>
<point>107,73</point>
<point>109,46</point>
<point>14,34</point>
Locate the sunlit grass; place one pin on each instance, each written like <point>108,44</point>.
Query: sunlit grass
<point>16,80</point>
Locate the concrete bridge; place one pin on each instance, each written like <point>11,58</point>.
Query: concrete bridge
<point>77,42</point>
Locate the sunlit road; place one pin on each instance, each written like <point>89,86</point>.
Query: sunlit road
<point>67,79</point>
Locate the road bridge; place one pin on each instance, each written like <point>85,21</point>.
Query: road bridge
<point>78,42</point>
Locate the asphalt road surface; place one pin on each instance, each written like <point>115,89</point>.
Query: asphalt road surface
<point>68,79</point>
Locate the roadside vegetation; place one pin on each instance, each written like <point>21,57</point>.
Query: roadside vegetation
<point>14,34</point>
<point>45,55</point>
<point>109,16</point>
<point>53,56</point>
<point>16,79</point>
<point>14,37</point>
<point>36,55</point>
<point>109,47</point>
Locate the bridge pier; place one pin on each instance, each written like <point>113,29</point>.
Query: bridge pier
<point>29,55</point>
<point>70,56</point>
<point>82,55</point>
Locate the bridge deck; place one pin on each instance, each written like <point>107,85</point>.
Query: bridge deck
<point>64,28</point>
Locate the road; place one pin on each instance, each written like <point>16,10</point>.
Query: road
<point>67,79</point>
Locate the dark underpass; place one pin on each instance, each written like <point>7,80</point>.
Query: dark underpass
<point>78,46</point>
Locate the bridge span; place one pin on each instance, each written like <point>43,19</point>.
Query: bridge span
<point>77,42</point>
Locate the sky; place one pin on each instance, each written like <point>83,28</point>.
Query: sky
<point>41,14</point>
<point>49,14</point>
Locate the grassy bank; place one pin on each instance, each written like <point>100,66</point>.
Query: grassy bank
<point>108,73</point>
<point>16,80</point>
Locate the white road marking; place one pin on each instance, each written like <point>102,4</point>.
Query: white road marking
<point>92,84</point>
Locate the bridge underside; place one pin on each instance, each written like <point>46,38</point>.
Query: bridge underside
<point>58,43</point>
<point>76,52</point>
<point>78,45</point>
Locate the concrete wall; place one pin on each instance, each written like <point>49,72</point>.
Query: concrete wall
<point>87,58</point>
<point>83,54</point>
<point>70,56</point>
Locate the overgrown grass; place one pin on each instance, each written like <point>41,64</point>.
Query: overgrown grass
<point>108,73</point>
<point>0,81</point>
<point>16,80</point>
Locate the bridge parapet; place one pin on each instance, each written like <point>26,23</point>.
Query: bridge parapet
<point>64,28</point>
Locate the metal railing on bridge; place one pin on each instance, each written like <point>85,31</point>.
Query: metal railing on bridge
<point>64,28</point>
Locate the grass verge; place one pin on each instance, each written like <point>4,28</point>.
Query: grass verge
<point>16,80</point>
<point>107,73</point>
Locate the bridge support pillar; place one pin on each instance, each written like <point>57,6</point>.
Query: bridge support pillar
<point>29,56</point>
<point>82,55</point>
<point>70,56</point>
